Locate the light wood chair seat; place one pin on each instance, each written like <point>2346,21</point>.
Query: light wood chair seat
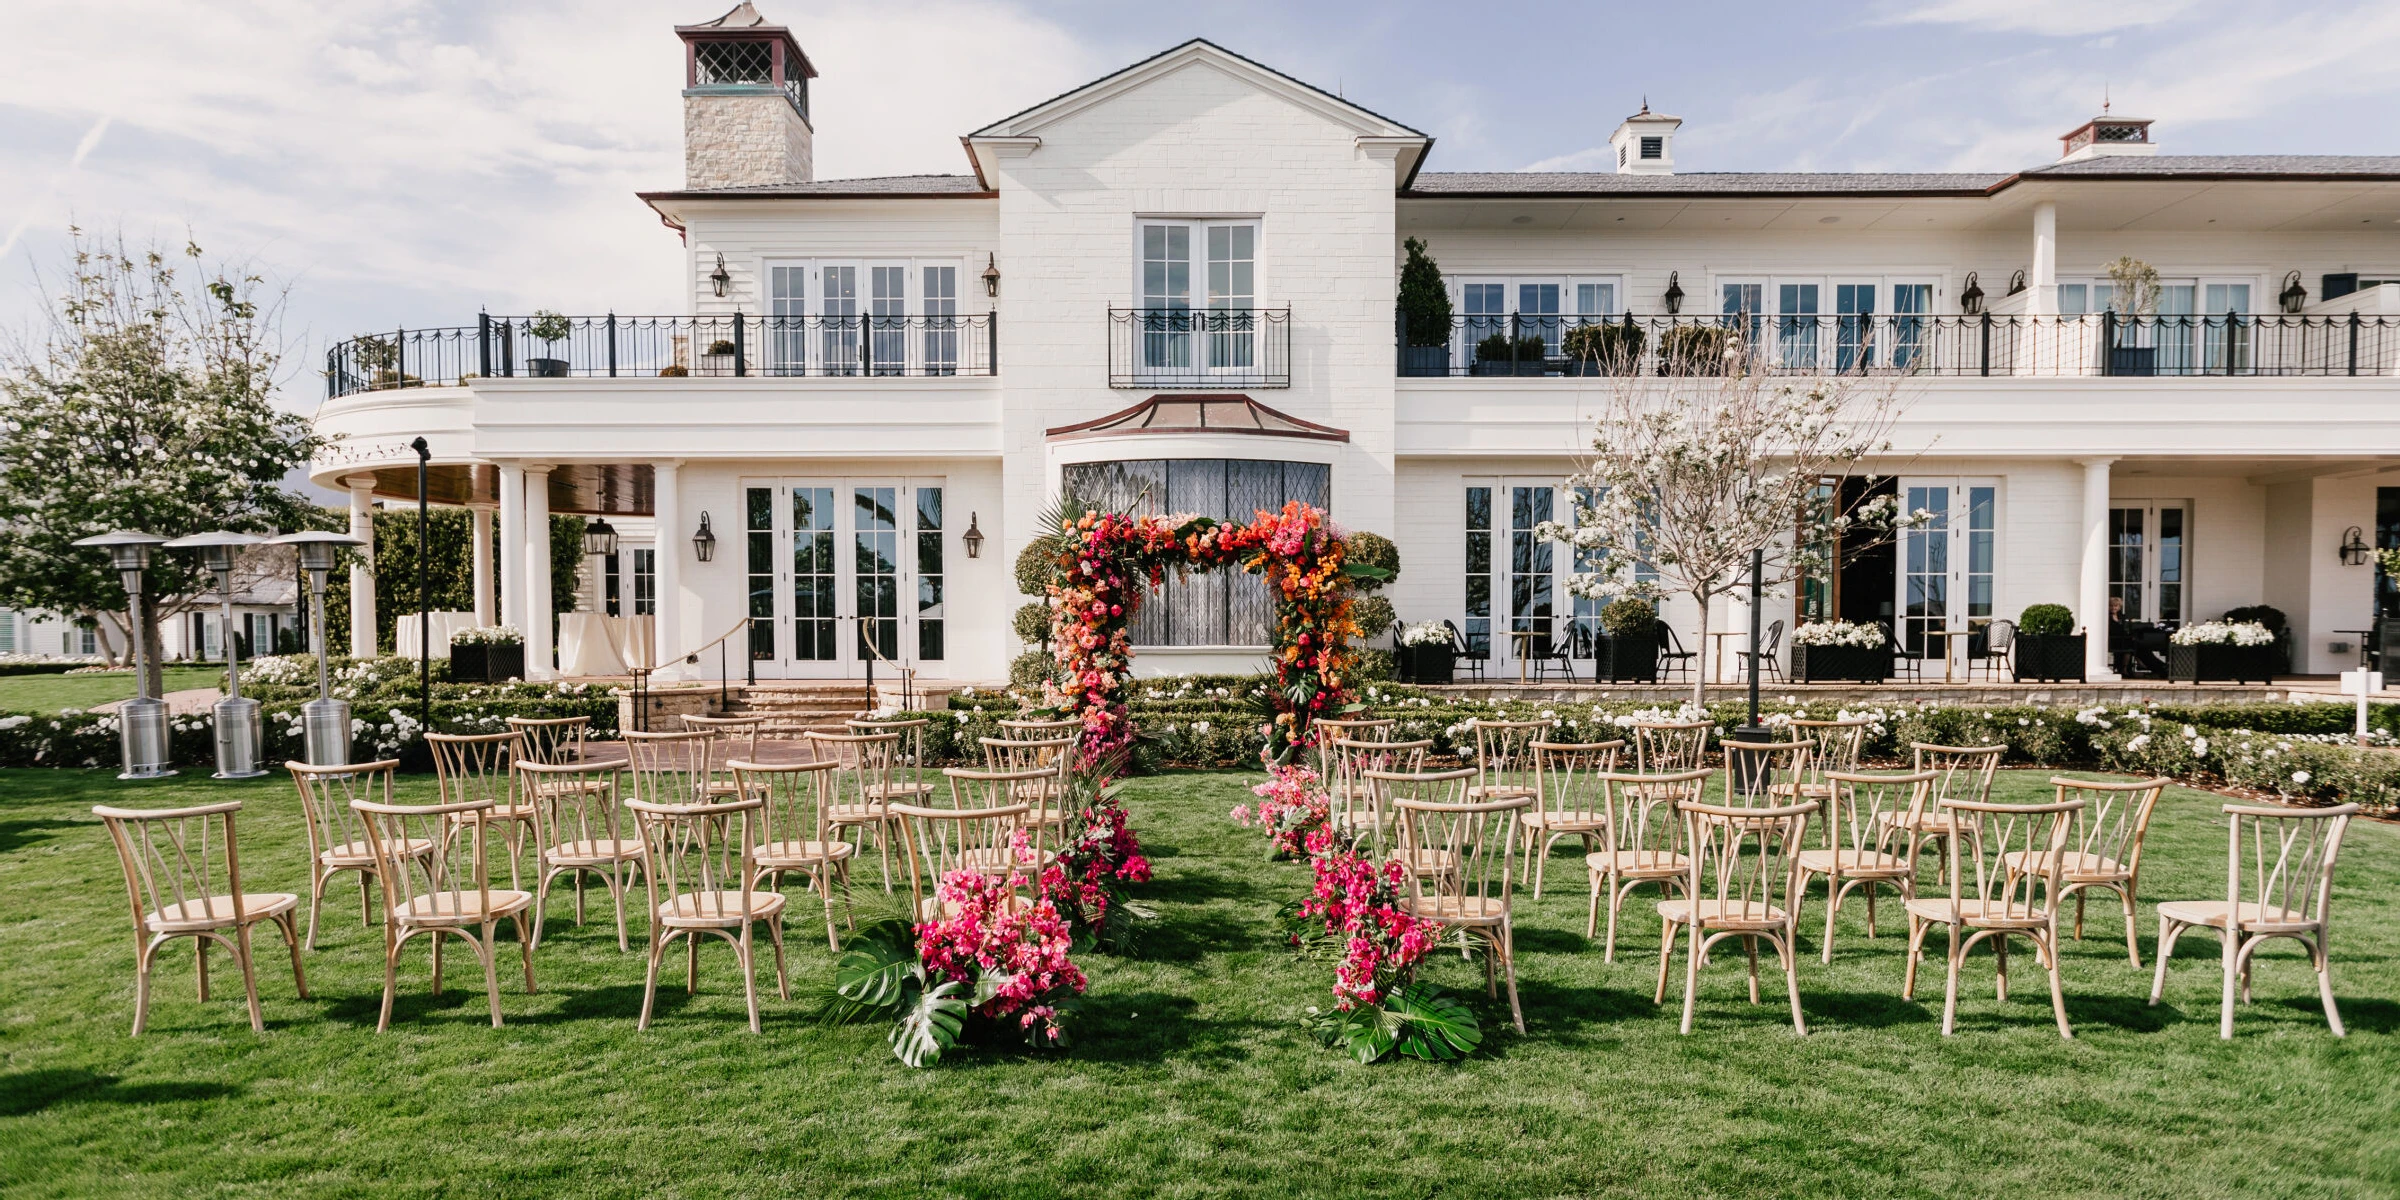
<point>1644,864</point>
<point>1857,864</point>
<point>1804,791</point>
<point>1460,910</point>
<point>718,909</point>
<point>593,852</point>
<point>1479,793</point>
<point>787,856</point>
<point>217,912</point>
<point>2255,918</point>
<point>1981,914</point>
<point>1426,864</point>
<point>998,861</point>
<point>1586,821</point>
<point>1718,913</point>
<point>870,813</point>
<point>1929,823</point>
<point>360,855</point>
<point>898,790</point>
<point>571,787</point>
<point>464,908</point>
<point>2074,866</point>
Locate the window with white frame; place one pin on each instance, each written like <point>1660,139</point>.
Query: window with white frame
<point>1509,567</point>
<point>1543,306</point>
<point>8,633</point>
<point>2197,327</point>
<point>862,317</point>
<point>1196,284</point>
<point>1832,322</point>
<point>645,582</point>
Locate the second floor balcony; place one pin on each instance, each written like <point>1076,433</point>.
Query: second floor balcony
<point>1213,347</point>
<point>865,346</point>
<point>1960,345</point>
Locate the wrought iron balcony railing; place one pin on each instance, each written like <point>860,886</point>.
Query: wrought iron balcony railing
<point>1200,347</point>
<point>2002,345</point>
<point>614,346</point>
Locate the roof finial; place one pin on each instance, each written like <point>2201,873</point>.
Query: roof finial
<point>1645,102</point>
<point>2104,97</point>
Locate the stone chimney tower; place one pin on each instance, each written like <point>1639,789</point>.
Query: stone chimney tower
<point>745,103</point>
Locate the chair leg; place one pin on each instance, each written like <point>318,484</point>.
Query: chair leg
<point>2000,955</point>
<point>1691,972</point>
<point>489,952</point>
<point>691,964</point>
<point>2133,949</point>
<point>2324,964</point>
<point>241,951</point>
<point>200,956</point>
<point>2058,995</point>
<point>1508,963</point>
<point>291,939</point>
<point>616,896</point>
<point>1666,955</point>
<point>1833,905</point>
<point>741,950</point>
<point>366,911</point>
<point>2233,939</point>
<point>1790,954</point>
<point>1750,948</point>
<point>391,976</point>
<point>316,896</point>
<point>436,934</point>
<point>1916,951</point>
<point>783,982</point>
<point>823,878</point>
<point>525,946</point>
<point>142,959</point>
<point>541,899</point>
<point>1950,989</point>
<point>650,977</point>
<point>1591,914</point>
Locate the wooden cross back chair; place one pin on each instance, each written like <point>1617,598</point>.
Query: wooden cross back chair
<point>1358,800</point>
<point>1832,746</point>
<point>337,834</point>
<point>1740,885</point>
<point>1993,898</point>
<point>1960,773</point>
<point>1504,757</point>
<point>1449,787</point>
<point>909,782</point>
<point>446,893</point>
<point>670,768</point>
<point>551,740</point>
<point>1031,759</point>
<point>1020,729</point>
<point>2287,892</point>
<point>1763,774</point>
<point>862,786</point>
<point>1476,840</point>
<point>700,867</point>
<point>937,841</point>
<point>1033,788</point>
<point>183,878</point>
<point>1861,849</point>
<point>1325,732</point>
<point>482,766</point>
<point>796,830</point>
<point>729,738</point>
<point>1568,799</point>
<point>1670,747</point>
<point>1641,841</point>
<point>579,830</point>
<point>2106,849</point>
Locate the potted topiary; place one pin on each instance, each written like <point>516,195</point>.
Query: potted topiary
<point>1424,315</point>
<point>1426,654</point>
<point>1840,651</point>
<point>2132,301</point>
<point>1500,354</point>
<point>1693,350</point>
<point>549,329</point>
<point>2047,646</point>
<point>487,654</point>
<point>1627,649</point>
<point>2221,652</point>
<point>718,359</point>
<point>1603,349</point>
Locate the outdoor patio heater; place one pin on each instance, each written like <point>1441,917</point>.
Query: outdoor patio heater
<point>324,721</point>
<point>239,730</point>
<point>141,721</point>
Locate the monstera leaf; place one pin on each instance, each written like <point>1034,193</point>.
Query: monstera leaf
<point>930,1025</point>
<point>877,972</point>
<point>1431,1025</point>
<point>1365,1033</point>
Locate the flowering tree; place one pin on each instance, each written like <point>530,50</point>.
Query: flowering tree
<point>1691,473</point>
<point>146,404</point>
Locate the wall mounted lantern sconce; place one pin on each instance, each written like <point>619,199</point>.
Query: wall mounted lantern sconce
<point>2355,550</point>
<point>704,542</point>
<point>2016,281</point>
<point>2294,296</point>
<point>991,275</point>
<point>1970,301</point>
<point>720,278</point>
<point>1674,296</point>
<point>973,537</point>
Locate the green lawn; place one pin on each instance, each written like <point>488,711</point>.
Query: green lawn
<point>49,693</point>
<point>1192,1076</point>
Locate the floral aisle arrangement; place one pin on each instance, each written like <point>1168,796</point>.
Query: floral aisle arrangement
<point>1098,858</point>
<point>1296,814</point>
<point>1838,633</point>
<point>1378,1009</point>
<point>1104,565</point>
<point>997,962</point>
<point>2223,633</point>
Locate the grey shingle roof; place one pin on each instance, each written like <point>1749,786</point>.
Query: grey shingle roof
<point>880,185</point>
<point>1600,183</point>
<point>2268,165</point>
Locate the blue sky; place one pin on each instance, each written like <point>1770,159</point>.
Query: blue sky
<point>405,163</point>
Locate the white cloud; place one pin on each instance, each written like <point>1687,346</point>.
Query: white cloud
<point>2043,18</point>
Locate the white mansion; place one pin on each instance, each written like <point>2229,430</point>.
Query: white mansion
<point>1174,287</point>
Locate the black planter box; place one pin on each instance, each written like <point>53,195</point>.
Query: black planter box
<point>1842,664</point>
<point>1502,366</point>
<point>2221,664</point>
<point>1424,360</point>
<point>2055,658</point>
<point>2133,360</point>
<point>546,368</point>
<point>1625,658</point>
<point>487,663</point>
<point>1426,664</point>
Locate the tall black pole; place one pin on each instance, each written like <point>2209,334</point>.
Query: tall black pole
<point>425,605</point>
<point>1758,566</point>
<point>1749,776</point>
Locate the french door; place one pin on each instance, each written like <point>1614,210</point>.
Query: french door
<point>1949,560</point>
<point>1199,296</point>
<point>841,572</point>
<point>2149,547</point>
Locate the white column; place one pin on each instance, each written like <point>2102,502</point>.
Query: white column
<point>481,520</point>
<point>512,545</point>
<point>668,624</point>
<point>537,573</point>
<point>2043,281</point>
<point>362,572</point>
<point>2092,600</point>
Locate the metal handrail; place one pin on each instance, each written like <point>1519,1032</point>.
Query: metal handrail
<point>641,675</point>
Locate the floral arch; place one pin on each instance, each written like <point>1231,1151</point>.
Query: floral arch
<point>1105,565</point>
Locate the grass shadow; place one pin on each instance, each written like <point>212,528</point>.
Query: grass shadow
<point>1153,1026</point>
<point>16,835</point>
<point>27,1092</point>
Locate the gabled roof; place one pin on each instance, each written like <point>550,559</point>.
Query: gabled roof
<point>1024,127</point>
<point>2226,166</point>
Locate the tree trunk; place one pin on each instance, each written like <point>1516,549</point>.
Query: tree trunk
<point>1700,676</point>
<point>154,672</point>
<point>110,652</point>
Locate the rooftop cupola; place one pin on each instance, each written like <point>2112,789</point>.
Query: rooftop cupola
<point>2107,135</point>
<point>745,103</point>
<point>1645,143</point>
